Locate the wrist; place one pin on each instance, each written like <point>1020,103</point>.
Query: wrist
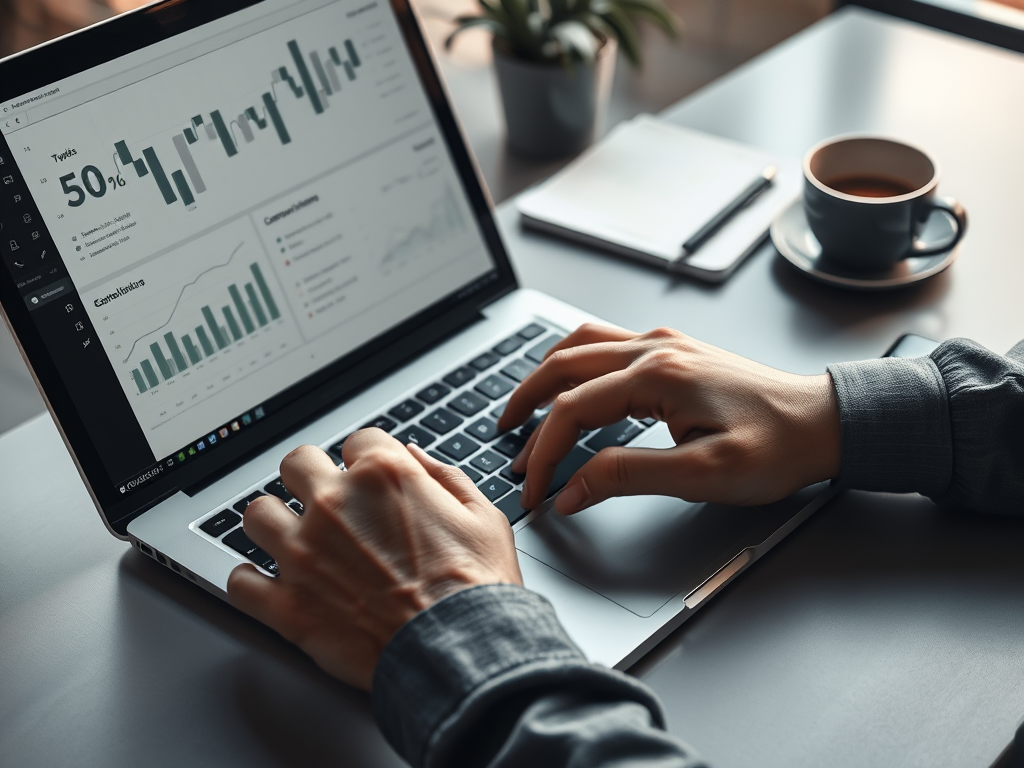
<point>820,429</point>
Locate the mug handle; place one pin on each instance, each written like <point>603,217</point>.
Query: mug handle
<point>954,209</point>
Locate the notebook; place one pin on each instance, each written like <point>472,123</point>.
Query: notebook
<point>649,185</point>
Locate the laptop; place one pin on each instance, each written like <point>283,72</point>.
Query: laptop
<point>232,228</point>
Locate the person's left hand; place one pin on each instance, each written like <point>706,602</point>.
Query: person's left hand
<point>377,544</point>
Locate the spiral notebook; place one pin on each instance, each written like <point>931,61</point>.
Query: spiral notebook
<point>650,185</point>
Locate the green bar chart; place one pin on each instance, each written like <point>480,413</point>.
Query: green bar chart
<point>251,307</point>
<point>184,184</point>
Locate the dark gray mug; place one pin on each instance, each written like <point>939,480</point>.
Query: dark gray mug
<point>868,198</point>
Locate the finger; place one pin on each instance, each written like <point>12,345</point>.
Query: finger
<point>592,333</point>
<point>632,472</point>
<point>452,479</point>
<point>594,404</point>
<point>255,594</point>
<point>267,522</point>
<point>307,468</point>
<point>563,371</point>
<point>373,440</point>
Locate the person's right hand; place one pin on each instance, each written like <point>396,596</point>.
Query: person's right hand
<point>745,433</point>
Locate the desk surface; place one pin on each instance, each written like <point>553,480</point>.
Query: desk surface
<point>883,632</point>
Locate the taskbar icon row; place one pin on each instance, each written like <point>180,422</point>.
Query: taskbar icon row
<point>215,438</point>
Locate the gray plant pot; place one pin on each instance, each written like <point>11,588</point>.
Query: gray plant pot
<point>554,111</point>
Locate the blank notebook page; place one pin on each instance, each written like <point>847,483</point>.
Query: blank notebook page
<point>648,186</point>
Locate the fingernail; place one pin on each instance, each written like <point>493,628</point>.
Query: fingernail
<point>575,497</point>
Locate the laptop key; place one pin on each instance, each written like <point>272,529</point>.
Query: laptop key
<point>485,361</point>
<point>532,331</point>
<point>494,488</point>
<point>497,412</point>
<point>220,523</point>
<point>244,546</point>
<point>495,387</point>
<point>405,411</point>
<point>472,474</point>
<point>577,457</point>
<point>442,421</point>
<point>460,376</point>
<point>468,403</point>
<point>335,450</point>
<point>531,424</point>
<point>296,506</point>
<point>458,447</point>
<point>483,429</point>
<point>510,445</point>
<point>433,393</point>
<point>414,434</point>
<point>241,504</point>
<point>509,345</point>
<point>537,353</point>
<point>513,477</point>
<point>276,488</point>
<point>381,422</point>
<point>440,457</point>
<point>518,369</point>
<point>648,422</point>
<point>488,462</point>
<point>509,507</point>
<point>615,435</point>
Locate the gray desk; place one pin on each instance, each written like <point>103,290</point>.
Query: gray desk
<point>883,632</point>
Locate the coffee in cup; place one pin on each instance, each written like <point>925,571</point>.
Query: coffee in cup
<point>868,199</point>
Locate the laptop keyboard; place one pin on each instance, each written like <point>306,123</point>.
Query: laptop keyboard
<point>455,420</point>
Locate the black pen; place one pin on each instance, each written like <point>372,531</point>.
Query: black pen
<point>743,199</point>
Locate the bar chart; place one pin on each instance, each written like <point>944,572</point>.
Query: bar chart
<point>216,330</point>
<point>186,182</point>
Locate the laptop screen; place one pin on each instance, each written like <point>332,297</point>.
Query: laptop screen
<point>203,224</point>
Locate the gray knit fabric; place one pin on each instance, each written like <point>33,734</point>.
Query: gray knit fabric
<point>489,677</point>
<point>950,426</point>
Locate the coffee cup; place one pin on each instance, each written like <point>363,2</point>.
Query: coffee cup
<point>868,198</point>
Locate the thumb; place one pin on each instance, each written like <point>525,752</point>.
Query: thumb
<point>624,472</point>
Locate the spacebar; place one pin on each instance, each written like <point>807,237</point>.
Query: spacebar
<point>577,457</point>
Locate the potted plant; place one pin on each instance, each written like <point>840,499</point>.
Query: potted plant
<point>555,61</point>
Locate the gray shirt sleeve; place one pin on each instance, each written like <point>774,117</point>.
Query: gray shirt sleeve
<point>949,426</point>
<point>488,677</point>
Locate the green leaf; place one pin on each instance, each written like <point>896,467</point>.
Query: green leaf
<point>653,11</point>
<point>626,34</point>
<point>469,22</point>
<point>576,39</point>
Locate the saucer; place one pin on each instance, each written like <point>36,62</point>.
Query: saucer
<point>793,238</point>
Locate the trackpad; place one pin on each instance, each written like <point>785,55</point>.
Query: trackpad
<point>639,551</point>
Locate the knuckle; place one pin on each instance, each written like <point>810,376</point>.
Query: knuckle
<point>561,357</point>
<point>566,401</point>
<point>664,333</point>
<point>615,466</point>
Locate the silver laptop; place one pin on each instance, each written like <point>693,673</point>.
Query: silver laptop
<point>232,228</point>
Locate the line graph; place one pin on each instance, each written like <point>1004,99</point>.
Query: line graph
<point>177,301</point>
<point>443,221</point>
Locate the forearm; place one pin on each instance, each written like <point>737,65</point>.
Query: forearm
<point>950,426</point>
<point>488,677</point>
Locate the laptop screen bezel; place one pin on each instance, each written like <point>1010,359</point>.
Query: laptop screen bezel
<point>318,393</point>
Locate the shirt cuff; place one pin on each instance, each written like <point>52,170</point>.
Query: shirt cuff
<point>896,434</point>
<point>454,661</point>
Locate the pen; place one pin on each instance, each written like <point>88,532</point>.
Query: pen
<point>719,220</point>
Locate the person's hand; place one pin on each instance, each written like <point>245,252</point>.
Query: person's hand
<point>376,545</point>
<point>744,433</point>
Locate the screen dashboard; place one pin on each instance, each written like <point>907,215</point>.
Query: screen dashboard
<point>202,224</point>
